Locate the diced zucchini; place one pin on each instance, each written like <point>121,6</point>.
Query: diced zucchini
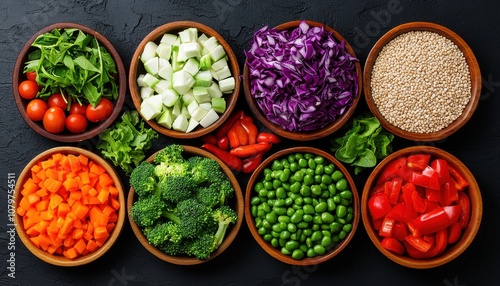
<point>217,53</point>
<point>191,66</point>
<point>223,73</point>
<point>150,80</point>
<point>214,73</point>
<point>199,113</point>
<point>193,123</point>
<point>189,50</point>
<point>206,105</point>
<point>166,119</point>
<point>203,78</point>
<point>210,44</point>
<point>192,107</point>
<point>168,39</point>
<point>202,38</point>
<point>140,80</point>
<point>205,62</point>
<point>165,69</point>
<point>219,64</point>
<point>188,97</point>
<point>149,51</point>
<point>169,97</point>
<point>164,51</point>
<point>180,123</point>
<point>162,85</point>
<point>189,35</point>
<point>151,65</point>
<point>219,104</point>
<point>185,112</point>
<point>151,107</point>
<point>214,90</point>
<point>227,85</point>
<point>182,81</point>
<point>176,109</point>
<point>209,119</point>
<point>146,92</point>
<point>176,64</point>
<point>181,56</point>
<point>201,94</point>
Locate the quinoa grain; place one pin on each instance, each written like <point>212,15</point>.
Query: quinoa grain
<point>420,82</point>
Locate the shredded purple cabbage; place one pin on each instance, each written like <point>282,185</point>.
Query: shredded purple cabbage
<point>301,79</point>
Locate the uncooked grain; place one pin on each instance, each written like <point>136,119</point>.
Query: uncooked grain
<point>420,82</point>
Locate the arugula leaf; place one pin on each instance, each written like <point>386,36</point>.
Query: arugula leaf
<point>363,144</point>
<point>127,141</point>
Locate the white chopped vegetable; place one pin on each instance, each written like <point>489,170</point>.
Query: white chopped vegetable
<point>166,119</point>
<point>165,69</point>
<point>169,97</point>
<point>202,38</point>
<point>169,39</point>
<point>140,80</point>
<point>176,109</point>
<point>223,73</point>
<point>182,81</point>
<point>206,105</point>
<point>151,65</point>
<point>150,80</point>
<point>219,104</point>
<point>164,51</point>
<point>192,107</point>
<point>210,44</point>
<point>201,94</point>
<point>209,119</point>
<point>191,66</point>
<point>180,123</point>
<point>188,97</point>
<point>205,62</point>
<point>146,92</point>
<point>199,113</point>
<point>149,51</point>
<point>203,78</point>
<point>193,123</point>
<point>214,90</point>
<point>219,64</point>
<point>217,53</point>
<point>227,85</point>
<point>189,50</point>
<point>162,85</point>
<point>151,107</point>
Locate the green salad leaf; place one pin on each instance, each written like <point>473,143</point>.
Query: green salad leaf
<point>363,144</point>
<point>73,63</point>
<point>126,142</point>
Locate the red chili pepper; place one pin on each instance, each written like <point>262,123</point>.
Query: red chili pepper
<point>209,138</point>
<point>251,163</point>
<point>241,132</point>
<point>223,143</point>
<point>393,245</point>
<point>224,128</point>
<point>250,150</point>
<point>233,137</point>
<point>231,161</point>
<point>460,181</point>
<point>250,128</point>
<point>268,138</point>
<point>439,243</point>
<point>435,220</point>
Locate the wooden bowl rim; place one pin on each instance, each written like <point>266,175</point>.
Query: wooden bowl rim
<point>67,136</point>
<point>231,99</point>
<point>276,253</point>
<point>230,235</point>
<point>468,235</point>
<point>61,260</point>
<point>474,71</point>
<point>310,135</point>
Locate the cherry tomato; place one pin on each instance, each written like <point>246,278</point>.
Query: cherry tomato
<point>76,123</point>
<point>54,120</point>
<point>102,110</point>
<point>28,89</point>
<point>57,100</point>
<point>77,108</point>
<point>36,109</point>
<point>31,75</point>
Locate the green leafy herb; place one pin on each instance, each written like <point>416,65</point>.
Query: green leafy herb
<point>363,144</point>
<point>75,64</point>
<point>125,144</point>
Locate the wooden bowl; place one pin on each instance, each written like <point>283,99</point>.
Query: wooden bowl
<point>468,234</point>
<point>237,205</point>
<point>93,129</point>
<point>309,135</point>
<point>137,68</point>
<point>475,76</point>
<point>275,252</point>
<point>57,259</point>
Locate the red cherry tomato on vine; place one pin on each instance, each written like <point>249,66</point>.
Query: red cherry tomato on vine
<point>36,109</point>
<point>77,108</point>
<point>31,75</point>
<point>54,120</point>
<point>58,100</point>
<point>76,123</point>
<point>99,113</point>
<point>28,89</point>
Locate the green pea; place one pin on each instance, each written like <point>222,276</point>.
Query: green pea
<point>274,242</point>
<point>309,172</point>
<point>326,241</point>
<point>279,202</point>
<point>335,227</point>
<point>317,179</point>
<point>320,169</point>
<point>268,177</point>
<point>325,232</point>
<point>345,202</point>
<point>347,228</point>
<point>341,211</point>
<point>349,218</point>
<point>299,201</point>
<point>298,176</point>
<point>350,210</point>
<point>308,180</point>
<point>310,253</point>
<point>342,184</point>
<point>311,163</point>
<point>336,199</point>
<point>290,211</point>
<point>280,211</point>
<point>346,194</point>
<point>266,224</point>
<point>308,156</point>
<point>276,165</point>
<point>317,219</point>
<point>276,183</point>
<point>305,190</point>
<point>285,175</point>
<point>325,226</point>
<point>309,242</point>
<point>319,249</point>
<point>302,238</point>
<point>294,166</point>
<point>341,220</point>
<point>342,234</point>
<point>315,227</point>
<point>291,227</point>
<point>302,224</point>
<point>298,254</point>
<point>261,212</point>
<point>255,201</point>
<point>330,204</point>
<point>294,236</point>
<point>262,230</point>
<point>277,228</point>
<point>254,211</point>
<point>335,238</point>
<point>258,222</point>
<point>271,217</point>
<point>267,171</point>
<point>337,175</point>
<point>295,187</point>
<point>292,245</point>
<point>308,200</point>
<point>288,201</point>
<point>284,218</point>
<point>299,156</point>
<point>266,207</point>
<point>268,237</point>
<point>329,169</point>
<point>316,190</point>
<point>307,231</point>
<point>307,218</point>
<point>268,185</point>
<point>263,192</point>
<point>258,186</point>
<point>308,209</point>
<point>285,163</point>
<point>303,247</point>
<point>302,162</point>
<point>324,193</point>
<point>296,218</point>
<point>327,217</point>
<point>275,234</point>
<point>320,207</point>
<point>285,234</point>
<point>332,189</point>
<point>285,251</point>
<point>325,179</point>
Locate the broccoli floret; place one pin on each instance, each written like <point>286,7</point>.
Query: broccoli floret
<point>226,191</point>
<point>170,154</point>
<point>194,218</point>
<point>164,232</point>
<point>171,248</point>
<point>172,169</point>
<point>176,188</point>
<point>143,179</point>
<point>147,210</point>
<point>204,169</point>
<point>224,216</point>
<point>202,246</point>
<point>209,196</point>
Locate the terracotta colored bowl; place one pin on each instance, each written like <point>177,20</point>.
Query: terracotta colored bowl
<point>468,234</point>
<point>310,135</point>
<point>93,129</point>
<point>475,76</point>
<point>137,68</point>
<point>60,260</point>
<point>237,205</point>
<point>275,252</point>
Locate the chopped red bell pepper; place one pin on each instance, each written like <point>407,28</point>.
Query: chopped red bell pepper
<point>389,171</point>
<point>464,203</point>
<point>441,168</point>
<point>419,180</point>
<point>418,202</point>
<point>450,193</point>
<point>420,243</point>
<point>434,220</point>
<point>402,213</point>
<point>433,195</point>
<point>418,162</point>
<point>386,227</point>
<point>454,232</point>
<point>399,231</point>
<point>379,205</point>
<point>395,190</point>
<point>407,189</point>
<point>429,206</point>
<point>460,181</point>
<point>393,245</point>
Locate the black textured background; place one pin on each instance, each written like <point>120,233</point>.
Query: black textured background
<point>126,22</point>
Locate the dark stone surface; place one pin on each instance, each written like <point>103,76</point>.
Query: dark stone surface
<point>126,22</point>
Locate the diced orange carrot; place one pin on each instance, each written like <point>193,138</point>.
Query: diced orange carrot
<point>110,227</point>
<point>96,169</point>
<point>84,176</point>
<point>80,246</point>
<point>85,189</point>
<point>115,204</point>
<point>68,241</point>
<point>77,233</point>
<point>101,241</point>
<point>41,226</point>
<point>113,217</point>
<point>65,163</point>
<point>42,192</point>
<point>61,175</point>
<point>94,178</point>
<point>93,192</point>
<point>33,199</point>
<point>103,195</point>
<point>83,160</point>
<point>67,226</point>
<point>70,253</point>
<point>57,158</point>
<point>60,222</point>
<point>63,209</point>
<point>76,195</point>
<point>53,228</point>
<point>71,185</point>
<point>55,200</point>
<point>32,231</point>
<point>113,191</point>
<point>91,246</point>
<point>49,163</point>
<point>74,163</point>
<point>52,185</point>
<point>57,242</point>
<point>35,240</point>
<point>51,249</point>
<point>29,188</point>
<point>72,216</point>
<point>41,176</point>
<point>81,211</point>
<point>87,236</point>
<point>42,205</point>
<point>44,241</point>
<point>21,211</point>
<point>36,168</point>
<point>51,173</point>
<point>47,214</point>
<point>105,180</point>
